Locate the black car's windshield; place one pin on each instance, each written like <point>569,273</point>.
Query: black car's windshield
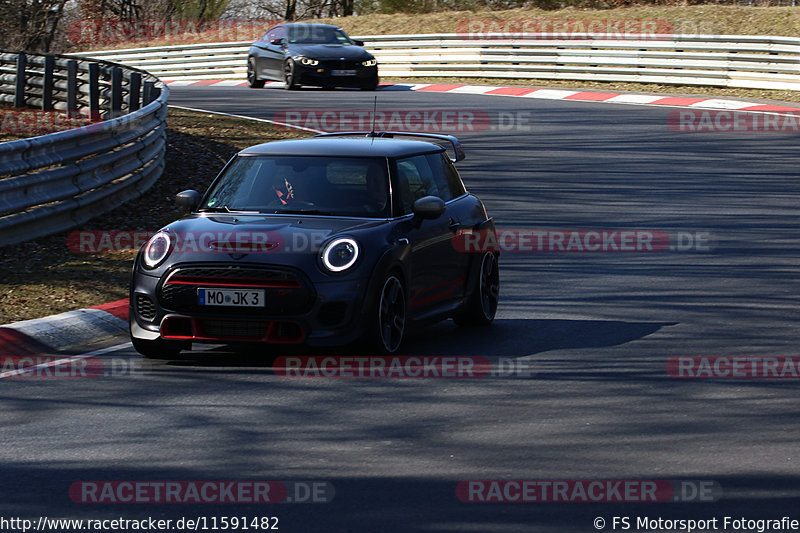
<point>339,186</point>
<point>317,34</point>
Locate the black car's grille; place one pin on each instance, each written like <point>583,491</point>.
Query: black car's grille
<point>338,64</point>
<point>145,307</point>
<point>287,291</point>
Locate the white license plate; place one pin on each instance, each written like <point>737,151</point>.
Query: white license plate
<point>231,297</point>
<point>343,72</point>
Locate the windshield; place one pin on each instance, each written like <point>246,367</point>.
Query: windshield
<point>339,186</point>
<point>317,34</point>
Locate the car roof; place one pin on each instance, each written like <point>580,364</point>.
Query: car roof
<point>344,147</point>
<point>287,24</point>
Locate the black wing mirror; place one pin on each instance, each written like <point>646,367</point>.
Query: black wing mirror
<point>429,207</point>
<point>277,42</point>
<point>358,42</point>
<point>187,201</point>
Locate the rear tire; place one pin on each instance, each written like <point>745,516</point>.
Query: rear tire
<point>252,81</point>
<point>481,307</point>
<point>158,348</point>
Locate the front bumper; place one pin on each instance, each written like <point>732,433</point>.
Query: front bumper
<point>322,76</point>
<point>318,314</point>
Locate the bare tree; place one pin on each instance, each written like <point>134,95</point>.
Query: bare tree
<point>30,24</point>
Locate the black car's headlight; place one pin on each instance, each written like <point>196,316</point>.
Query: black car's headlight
<point>308,61</point>
<point>370,62</point>
<point>340,254</point>
<point>157,249</point>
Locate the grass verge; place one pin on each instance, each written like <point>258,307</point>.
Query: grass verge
<point>43,277</point>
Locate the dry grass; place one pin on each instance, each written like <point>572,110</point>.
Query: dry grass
<point>705,19</point>
<point>44,277</point>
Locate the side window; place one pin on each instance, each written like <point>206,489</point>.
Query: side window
<point>442,176</point>
<point>453,179</point>
<point>278,32</point>
<point>415,178</point>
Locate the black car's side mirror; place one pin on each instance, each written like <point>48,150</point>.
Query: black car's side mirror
<point>429,207</point>
<point>277,42</point>
<point>187,201</point>
<point>358,42</point>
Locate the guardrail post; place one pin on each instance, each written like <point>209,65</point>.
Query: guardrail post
<point>116,91</point>
<point>47,83</point>
<point>94,92</point>
<point>134,91</point>
<point>72,85</point>
<point>150,92</point>
<point>19,90</point>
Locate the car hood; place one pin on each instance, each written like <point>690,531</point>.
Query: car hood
<point>212,237</point>
<point>329,51</point>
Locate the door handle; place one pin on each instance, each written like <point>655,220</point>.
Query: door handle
<point>454,224</point>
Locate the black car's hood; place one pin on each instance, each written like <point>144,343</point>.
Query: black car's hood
<point>329,51</point>
<point>279,225</point>
<point>242,233</point>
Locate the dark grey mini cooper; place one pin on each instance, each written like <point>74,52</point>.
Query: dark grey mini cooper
<point>323,241</point>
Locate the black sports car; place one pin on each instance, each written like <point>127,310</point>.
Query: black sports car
<point>323,241</point>
<point>310,54</point>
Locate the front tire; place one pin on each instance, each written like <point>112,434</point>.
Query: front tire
<point>252,81</point>
<point>389,316</point>
<point>481,307</point>
<point>289,75</point>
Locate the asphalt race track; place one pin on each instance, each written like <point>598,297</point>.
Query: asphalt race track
<point>593,330</point>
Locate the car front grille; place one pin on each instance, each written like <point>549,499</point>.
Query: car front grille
<point>216,329</point>
<point>234,329</point>
<point>337,64</point>
<point>287,290</point>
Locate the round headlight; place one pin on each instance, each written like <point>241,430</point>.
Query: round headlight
<point>309,61</point>
<point>340,254</point>
<point>370,62</point>
<point>157,249</point>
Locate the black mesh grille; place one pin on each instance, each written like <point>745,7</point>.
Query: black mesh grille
<point>145,307</point>
<point>234,329</point>
<point>287,291</point>
<point>336,64</point>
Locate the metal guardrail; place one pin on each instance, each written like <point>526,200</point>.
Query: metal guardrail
<point>744,61</point>
<point>54,182</point>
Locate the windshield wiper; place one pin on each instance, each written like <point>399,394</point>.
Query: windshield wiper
<point>223,209</point>
<point>301,212</point>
